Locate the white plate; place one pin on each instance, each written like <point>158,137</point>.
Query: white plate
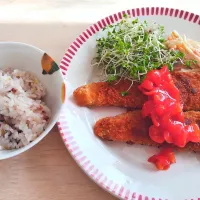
<point>119,168</point>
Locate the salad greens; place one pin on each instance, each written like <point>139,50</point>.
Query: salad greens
<point>131,48</point>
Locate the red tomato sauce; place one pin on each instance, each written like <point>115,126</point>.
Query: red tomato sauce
<point>165,110</point>
<point>164,159</point>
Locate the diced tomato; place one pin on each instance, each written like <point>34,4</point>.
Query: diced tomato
<point>168,152</point>
<point>163,160</point>
<point>193,133</point>
<point>148,107</point>
<point>166,112</point>
<point>148,85</point>
<point>155,134</point>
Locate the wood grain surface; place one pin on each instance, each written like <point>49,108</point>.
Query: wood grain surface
<point>47,172</point>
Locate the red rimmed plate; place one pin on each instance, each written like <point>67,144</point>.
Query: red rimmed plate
<point>119,168</point>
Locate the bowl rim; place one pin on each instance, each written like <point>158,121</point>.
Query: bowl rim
<point>86,164</point>
<point>15,152</point>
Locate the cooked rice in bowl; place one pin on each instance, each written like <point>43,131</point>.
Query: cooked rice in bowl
<point>23,114</point>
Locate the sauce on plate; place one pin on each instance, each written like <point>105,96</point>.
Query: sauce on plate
<point>165,110</point>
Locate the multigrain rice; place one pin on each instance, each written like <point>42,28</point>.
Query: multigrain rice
<point>23,115</point>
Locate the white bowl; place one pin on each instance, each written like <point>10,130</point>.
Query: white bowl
<point>29,58</point>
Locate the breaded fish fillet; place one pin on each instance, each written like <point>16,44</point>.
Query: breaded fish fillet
<point>130,127</point>
<point>105,94</point>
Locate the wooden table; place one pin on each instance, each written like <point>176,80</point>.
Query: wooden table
<point>47,171</point>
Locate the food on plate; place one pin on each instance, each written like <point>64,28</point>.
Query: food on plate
<point>23,114</point>
<point>119,94</point>
<point>163,159</point>
<point>132,128</point>
<point>143,69</point>
<point>110,94</point>
<point>131,48</point>
<point>190,48</point>
<point>165,110</point>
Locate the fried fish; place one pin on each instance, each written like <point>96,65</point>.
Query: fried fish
<point>130,127</point>
<point>106,94</point>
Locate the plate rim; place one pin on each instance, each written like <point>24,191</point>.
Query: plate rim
<point>77,154</point>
